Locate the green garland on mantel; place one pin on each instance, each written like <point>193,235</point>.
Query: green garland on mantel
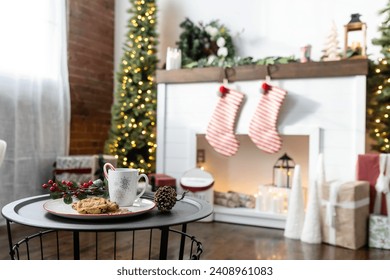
<point>238,61</point>
<point>211,45</point>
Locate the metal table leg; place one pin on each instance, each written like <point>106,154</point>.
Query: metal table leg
<point>182,241</point>
<point>11,252</point>
<point>164,243</point>
<point>76,245</point>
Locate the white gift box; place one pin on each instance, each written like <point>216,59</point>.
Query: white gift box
<point>379,227</point>
<point>379,232</point>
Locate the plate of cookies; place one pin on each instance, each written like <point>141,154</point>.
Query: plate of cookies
<point>96,208</point>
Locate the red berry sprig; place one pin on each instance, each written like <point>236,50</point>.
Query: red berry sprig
<point>68,189</point>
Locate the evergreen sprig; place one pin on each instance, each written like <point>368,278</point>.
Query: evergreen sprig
<point>67,190</point>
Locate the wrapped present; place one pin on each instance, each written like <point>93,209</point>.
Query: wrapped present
<point>344,213</point>
<point>379,232</point>
<point>379,225</point>
<point>368,170</point>
<point>81,168</point>
<point>160,180</point>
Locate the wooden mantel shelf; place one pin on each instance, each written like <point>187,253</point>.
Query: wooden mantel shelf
<point>294,70</point>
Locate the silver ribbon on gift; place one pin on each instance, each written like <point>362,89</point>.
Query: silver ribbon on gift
<point>331,204</point>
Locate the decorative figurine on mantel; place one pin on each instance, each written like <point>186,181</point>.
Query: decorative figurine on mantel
<point>331,50</point>
<point>305,54</point>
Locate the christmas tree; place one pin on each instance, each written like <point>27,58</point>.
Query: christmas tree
<point>132,136</point>
<point>378,89</point>
<point>331,50</point>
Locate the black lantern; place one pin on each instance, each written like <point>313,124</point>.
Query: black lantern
<point>282,171</point>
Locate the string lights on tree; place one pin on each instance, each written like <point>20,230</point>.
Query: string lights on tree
<point>378,105</point>
<point>132,136</point>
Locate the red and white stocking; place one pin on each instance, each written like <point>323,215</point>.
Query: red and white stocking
<point>262,128</point>
<point>220,131</point>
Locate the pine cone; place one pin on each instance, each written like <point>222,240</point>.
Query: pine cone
<point>165,198</point>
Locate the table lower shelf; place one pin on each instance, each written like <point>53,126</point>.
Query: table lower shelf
<point>248,216</point>
<point>36,244</point>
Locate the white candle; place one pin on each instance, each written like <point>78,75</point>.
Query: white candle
<point>287,198</point>
<point>274,204</point>
<point>277,202</point>
<point>279,178</point>
<point>259,202</point>
<point>280,204</point>
<point>173,59</point>
<point>268,199</point>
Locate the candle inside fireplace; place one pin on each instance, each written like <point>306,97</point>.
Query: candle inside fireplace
<point>272,199</point>
<point>279,178</point>
<point>277,203</point>
<point>259,201</point>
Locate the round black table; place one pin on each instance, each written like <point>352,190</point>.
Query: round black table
<point>30,212</point>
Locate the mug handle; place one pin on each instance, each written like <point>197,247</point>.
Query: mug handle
<point>105,171</point>
<point>144,188</point>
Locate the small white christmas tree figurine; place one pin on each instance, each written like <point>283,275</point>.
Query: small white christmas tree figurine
<point>331,50</point>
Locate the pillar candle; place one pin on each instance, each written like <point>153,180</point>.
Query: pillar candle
<point>259,201</point>
<point>274,204</point>
<point>279,178</point>
<point>173,58</point>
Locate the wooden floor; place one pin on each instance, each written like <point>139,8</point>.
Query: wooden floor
<point>220,241</point>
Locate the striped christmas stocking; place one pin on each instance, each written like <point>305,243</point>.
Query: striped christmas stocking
<point>262,128</point>
<point>220,131</point>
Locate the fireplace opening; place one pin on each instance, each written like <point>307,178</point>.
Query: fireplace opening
<point>250,167</point>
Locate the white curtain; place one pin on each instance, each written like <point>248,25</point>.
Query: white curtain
<point>34,94</point>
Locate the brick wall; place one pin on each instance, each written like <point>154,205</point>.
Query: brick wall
<point>91,55</point>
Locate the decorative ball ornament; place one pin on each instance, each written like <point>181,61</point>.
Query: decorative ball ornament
<point>165,198</point>
<point>265,87</point>
<point>223,90</point>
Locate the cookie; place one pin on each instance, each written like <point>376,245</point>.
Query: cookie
<point>95,205</point>
<point>112,206</point>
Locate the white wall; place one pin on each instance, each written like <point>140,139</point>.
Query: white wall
<point>264,27</point>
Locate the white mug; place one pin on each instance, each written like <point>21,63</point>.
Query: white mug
<point>123,184</point>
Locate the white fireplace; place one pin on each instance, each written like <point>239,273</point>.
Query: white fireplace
<point>328,111</point>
